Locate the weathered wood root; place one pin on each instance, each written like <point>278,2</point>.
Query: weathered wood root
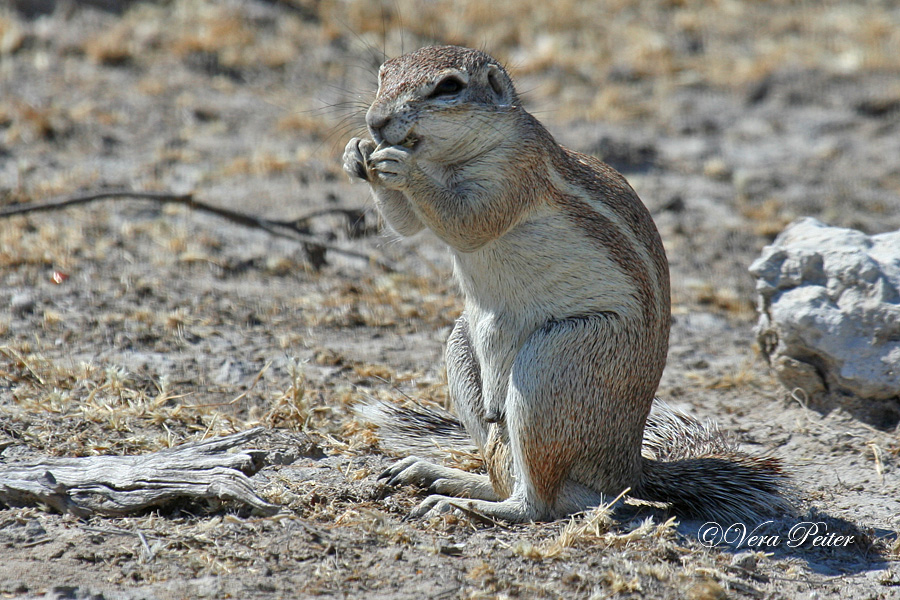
<point>120,485</point>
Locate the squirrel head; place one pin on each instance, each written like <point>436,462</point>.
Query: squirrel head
<point>434,99</point>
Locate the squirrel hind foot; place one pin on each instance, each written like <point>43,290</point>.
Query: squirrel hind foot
<point>439,479</point>
<point>513,509</point>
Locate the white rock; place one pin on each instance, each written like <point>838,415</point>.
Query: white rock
<point>829,306</point>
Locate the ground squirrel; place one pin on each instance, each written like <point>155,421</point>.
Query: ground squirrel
<point>555,361</point>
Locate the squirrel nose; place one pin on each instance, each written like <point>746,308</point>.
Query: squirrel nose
<point>376,122</point>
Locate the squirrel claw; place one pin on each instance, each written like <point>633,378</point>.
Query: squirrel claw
<point>433,506</point>
<point>400,473</point>
<point>387,473</point>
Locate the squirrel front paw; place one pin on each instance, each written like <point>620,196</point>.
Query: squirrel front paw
<point>390,166</point>
<point>386,166</point>
<point>356,155</point>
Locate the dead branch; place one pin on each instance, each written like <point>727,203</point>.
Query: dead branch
<point>291,230</point>
<point>119,485</point>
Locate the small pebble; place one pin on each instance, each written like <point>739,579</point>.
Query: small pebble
<point>745,560</point>
<point>22,304</point>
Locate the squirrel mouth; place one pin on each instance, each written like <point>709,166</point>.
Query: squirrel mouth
<point>410,142</point>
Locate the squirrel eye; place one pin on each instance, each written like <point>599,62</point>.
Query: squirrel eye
<point>447,87</point>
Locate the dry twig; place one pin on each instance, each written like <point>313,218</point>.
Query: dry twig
<point>291,230</point>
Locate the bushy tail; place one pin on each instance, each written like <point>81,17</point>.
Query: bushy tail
<point>414,429</point>
<point>701,473</point>
<point>687,463</point>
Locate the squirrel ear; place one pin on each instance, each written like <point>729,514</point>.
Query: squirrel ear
<point>495,79</point>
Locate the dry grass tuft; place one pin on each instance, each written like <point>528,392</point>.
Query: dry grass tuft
<point>293,408</point>
<point>895,549</point>
<point>595,529</point>
<point>769,217</point>
<point>11,35</point>
<point>47,245</point>
<point>707,590</point>
<point>722,298</point>
<point>100,410</point>
<point>743,377</point>
<point>114,47</point>
<point>400,301</point>
<point>259,164</point>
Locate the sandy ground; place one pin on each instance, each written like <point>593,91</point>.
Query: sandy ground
<point>127,326</point>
